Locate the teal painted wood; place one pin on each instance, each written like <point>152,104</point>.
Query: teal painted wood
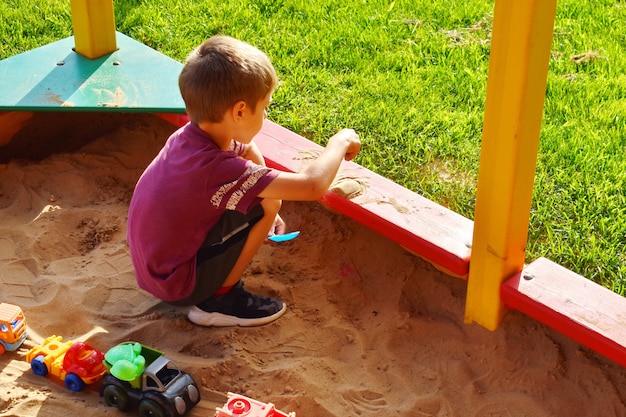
<point>135,78</point>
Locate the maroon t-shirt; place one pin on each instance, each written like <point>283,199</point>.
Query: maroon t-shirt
<point>180,196</point>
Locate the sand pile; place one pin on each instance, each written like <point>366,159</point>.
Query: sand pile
<point>371,330</point>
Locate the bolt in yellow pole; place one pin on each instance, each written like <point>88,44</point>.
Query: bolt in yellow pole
<point>518,68</point>
<point>94,27</point>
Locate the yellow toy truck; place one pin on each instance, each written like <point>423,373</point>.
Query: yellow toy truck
<point>75,363</point>
<point>12,327</point>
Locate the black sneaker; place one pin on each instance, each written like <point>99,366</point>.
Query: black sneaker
<point>237,307</point>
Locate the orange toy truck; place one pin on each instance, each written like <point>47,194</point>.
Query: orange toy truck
<point>12,327</point>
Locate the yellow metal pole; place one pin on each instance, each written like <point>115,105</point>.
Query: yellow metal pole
<point>518,67</point>
<point>94,27</point>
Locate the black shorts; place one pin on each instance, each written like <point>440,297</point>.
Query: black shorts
<point>219,253</point>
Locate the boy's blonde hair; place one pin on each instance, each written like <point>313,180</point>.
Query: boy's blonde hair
<point>219,73</point>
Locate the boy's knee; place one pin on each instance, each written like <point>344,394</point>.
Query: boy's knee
<point>271,207</point>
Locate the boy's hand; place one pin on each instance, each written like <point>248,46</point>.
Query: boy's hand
<point>352,140</point>
<point>278,228</point>
<point>314,180</point>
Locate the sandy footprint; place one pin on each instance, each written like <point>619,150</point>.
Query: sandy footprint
<point>364,401</point>
<point>302,296</point>
<point>114,263</point>
<point>116,297</point>
<point>22,285</point>
<point>344,342</point>
<point>315,342</point>
<point>69,321</point>
<point>434,406</point>
<point>512,405</point>
<point>7,248</point>
<point>303,402</point>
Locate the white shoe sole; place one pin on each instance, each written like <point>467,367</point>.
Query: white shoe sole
<point>202,318</point>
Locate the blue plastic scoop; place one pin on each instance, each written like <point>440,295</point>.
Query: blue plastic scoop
<point>283,238</point>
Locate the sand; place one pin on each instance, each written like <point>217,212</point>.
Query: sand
<point>370,330</point>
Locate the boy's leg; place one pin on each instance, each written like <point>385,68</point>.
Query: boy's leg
<point>256,237</point>
<point>232,305</point>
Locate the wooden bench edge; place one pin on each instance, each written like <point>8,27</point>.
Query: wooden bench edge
<point>571,304</point>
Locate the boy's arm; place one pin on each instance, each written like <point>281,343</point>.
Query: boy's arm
<point>253,153</point>
<point>314,180</point>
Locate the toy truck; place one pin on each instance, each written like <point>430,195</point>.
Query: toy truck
<point>12,327</point>
<point>76,363</point>
<point>240,406</point>
<point>142,376</point>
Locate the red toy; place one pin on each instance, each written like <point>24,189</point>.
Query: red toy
<point>240,406</point>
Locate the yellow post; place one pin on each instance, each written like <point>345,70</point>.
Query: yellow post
<point>518,68</point>
<point>94,27</point>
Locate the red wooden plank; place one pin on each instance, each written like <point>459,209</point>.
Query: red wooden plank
<point>571,304</point>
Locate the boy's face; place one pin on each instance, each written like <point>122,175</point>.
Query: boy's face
<point>253,121</point>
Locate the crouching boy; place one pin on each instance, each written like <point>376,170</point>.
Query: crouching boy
<point>206,203</point>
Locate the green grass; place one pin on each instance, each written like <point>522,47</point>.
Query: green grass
<point>410,76</point>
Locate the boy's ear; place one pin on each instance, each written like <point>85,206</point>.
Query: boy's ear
<point>238,109</point>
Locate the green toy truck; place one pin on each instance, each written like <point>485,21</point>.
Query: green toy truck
<point>142,376</point>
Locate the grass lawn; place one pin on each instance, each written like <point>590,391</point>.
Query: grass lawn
<point>410,76</point>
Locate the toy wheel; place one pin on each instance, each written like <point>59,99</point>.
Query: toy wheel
<point>39,366</point>
<point>115,397</point>
<point>2,349</point>
<point>149,408</point>
<point>74,383</point>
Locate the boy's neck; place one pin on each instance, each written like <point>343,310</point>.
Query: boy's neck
<point>218,133</point>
